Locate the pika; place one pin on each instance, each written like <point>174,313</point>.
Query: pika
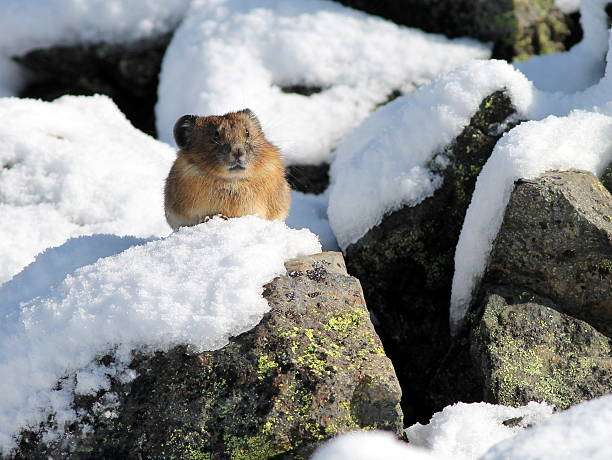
<point>225,166</point>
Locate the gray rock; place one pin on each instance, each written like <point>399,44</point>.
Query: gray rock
<point>406,263</point>
<point>556,241</point>
<point>311,369</point>
<point>527,351</point>
<point>127,72</point>
<point>518,28</point>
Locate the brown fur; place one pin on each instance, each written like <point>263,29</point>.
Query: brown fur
<point>200,183</point>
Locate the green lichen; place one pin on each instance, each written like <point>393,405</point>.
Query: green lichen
<point>253,447</point>
<point>187,445</point>
<point>265,366</point>
<point>541,370</point>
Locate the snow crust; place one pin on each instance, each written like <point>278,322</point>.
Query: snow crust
<point>31,24</point>
<point>73,167</point>
<point>582,431</point>
<point>196,287</point>
<point>232,54</point>
<point>466,431</point>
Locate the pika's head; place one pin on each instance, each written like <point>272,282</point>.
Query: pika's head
<point>226,146</point>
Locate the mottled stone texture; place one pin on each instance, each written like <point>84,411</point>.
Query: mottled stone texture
<point>550,259</point>
<point>518,28</point>
<point>556,241</point>
<point>527,351</point>
<point>311,369</point>
<point>128,73</point>
<point>406,263</point>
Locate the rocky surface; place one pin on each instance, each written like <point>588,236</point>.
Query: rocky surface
<point>312,368</point>
<point>551,256</point>
<point>518,28</point>
<point>406,263</point>
<point>556,241</point>
<point>128,73</point>
<point>527,351</point>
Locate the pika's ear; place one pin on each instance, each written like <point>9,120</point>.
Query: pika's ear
<point>252,116</point>
<point>183,130</point>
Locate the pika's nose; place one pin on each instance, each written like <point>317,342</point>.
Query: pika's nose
<point>238,155</point>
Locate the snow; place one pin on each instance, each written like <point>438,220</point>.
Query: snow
<point>196,287</point>
<point>310,211</point>
<point>29,24</point>
<point>371,445</point>
<point>358,59</point>
<point>568,6</point>
<point>583,431</point>
<point>74,167</point>
<point>382,165</point>
<point>465,431</point>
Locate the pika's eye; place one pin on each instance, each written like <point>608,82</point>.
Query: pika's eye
<point>246,132</point>
<point>216,135</point>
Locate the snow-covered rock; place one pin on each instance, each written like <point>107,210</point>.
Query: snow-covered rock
<point>197,287</point>
<point>357,60</point>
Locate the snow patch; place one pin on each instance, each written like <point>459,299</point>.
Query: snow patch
<point>371,445</point>
<point>465,431</point>
<point>582,431</point>
<point>74,167</point>
<point>356,59</point>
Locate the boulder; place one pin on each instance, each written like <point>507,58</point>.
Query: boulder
<point>312,368</point>
<point>528,351</point>
<point>556,241</point>
<point>128,73</point>
<point>406,263</point>
<point>518,28</point>
<point>552,252</point>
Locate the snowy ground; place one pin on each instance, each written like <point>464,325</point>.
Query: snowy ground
<point>89,265</point>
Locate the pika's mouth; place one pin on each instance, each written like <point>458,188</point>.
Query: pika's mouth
<point>237,167</point>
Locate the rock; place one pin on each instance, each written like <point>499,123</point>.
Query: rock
<point>312,368</point>
<point>406,263</point>
<point>528,351</point>
<point>552,251</point>
<point>556,241</point>
<point>128,73</point>
<point>518,28</point>
<point>309,178</point>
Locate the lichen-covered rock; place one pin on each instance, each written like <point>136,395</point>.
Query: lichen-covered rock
<point>528,351</point>
<point>556,241</point>
<point>406,263</point>
<point>128,73</point>
<point>518,28</point>
<point>312,368</point>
